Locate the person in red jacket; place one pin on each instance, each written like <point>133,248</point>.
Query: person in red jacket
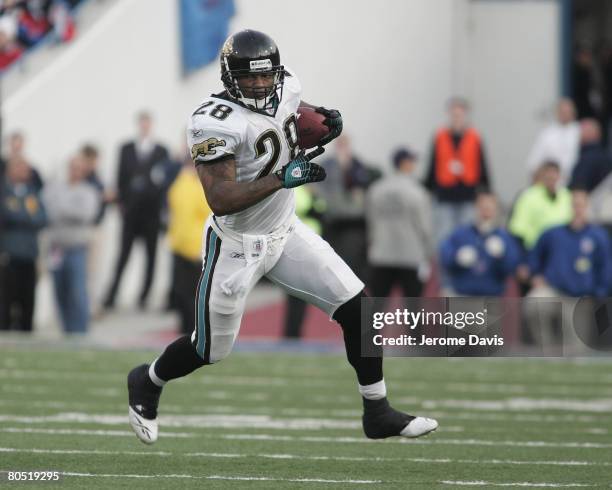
<point>458,167</point>
<point>9,50</point>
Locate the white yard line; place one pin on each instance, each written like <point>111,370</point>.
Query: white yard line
<point>603,405</point>
<point>271,437</point>
<point>595,418</point>
<point>194,421</point>
<point>223,380</point>
<point>430,440</point>
<point>86,432</point>
<point>201,421</point>
<point>303,457</point>
<point>221,477</point>
<point>481,483</point>
<point>245,421</point>
<point>85,451</point>
<point>281,381</point>
<point>529,418</point>
<point>513,404</point>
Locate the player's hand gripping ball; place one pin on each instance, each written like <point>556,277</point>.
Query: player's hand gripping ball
<point>311,128</point>
<point>333,120</point>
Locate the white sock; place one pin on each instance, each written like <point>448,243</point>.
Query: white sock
<point>156,380</point>
<point>375,391</point>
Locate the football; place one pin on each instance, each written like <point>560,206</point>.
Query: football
<point>310,127</point>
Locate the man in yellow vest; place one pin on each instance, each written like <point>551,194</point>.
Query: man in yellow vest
<point>188,211</point>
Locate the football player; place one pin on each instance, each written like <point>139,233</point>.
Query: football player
<point>244,144</point>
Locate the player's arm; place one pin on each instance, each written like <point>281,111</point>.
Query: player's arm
<point>333,120</point>
<point>226,196</point>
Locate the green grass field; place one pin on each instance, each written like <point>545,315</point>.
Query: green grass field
<point>293,421</point>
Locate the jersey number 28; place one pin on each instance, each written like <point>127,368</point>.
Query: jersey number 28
<point>269,142</point>
<point>220,111</point>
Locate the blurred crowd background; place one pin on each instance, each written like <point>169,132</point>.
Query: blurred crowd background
<point>434,222</point>
<point>25,23</point>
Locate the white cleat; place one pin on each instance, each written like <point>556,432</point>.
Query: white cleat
<point>419,426</point>
<point>143,398</point>
<point>145,429</point>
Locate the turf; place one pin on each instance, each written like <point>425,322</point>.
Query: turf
<point>293,421</point>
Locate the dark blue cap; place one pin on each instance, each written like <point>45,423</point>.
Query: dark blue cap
<point>403,154</point>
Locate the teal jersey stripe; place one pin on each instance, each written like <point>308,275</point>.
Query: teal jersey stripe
<point>202,296</point>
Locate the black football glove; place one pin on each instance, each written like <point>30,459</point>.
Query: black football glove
<point>333,120</point>
<point>301,170</point>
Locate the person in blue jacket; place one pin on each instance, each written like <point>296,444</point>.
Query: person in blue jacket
<point>574,259</point>
<point>22,215</point>
<point>568,262</point>
<point>480,257</point>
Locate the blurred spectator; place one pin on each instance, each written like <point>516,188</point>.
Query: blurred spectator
<point>573,259</point>
<point>16,145</point>
<point>61,19</point>
<point>172,169</point>
<point>583,82</point>
<point>595,162</point>
<point>558,142</point>
<point>72,206</point>
<point>570,260</point>
<point>24,23</point>
<point>606,74</point>
<point>90,158</point>
<point>141,185</point>
<point>10,50</point>
<point>309,208</point>
<point>458,166</point>
<point>400,237</point>
<point>22,215</point>
<point>537,208</point>
<point>15,152</point>
<point>9,14</point>
<point>343,190</point>
<point>541,206</point>
<point>33,22</point>
<point>601,205</point>
<point>188,211</point>
<point>480,257</point>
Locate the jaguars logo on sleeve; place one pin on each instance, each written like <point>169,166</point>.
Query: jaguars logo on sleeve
<point>206,148</point>
<point>213,132</point>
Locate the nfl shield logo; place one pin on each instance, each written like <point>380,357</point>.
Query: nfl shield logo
<point>257,246</point>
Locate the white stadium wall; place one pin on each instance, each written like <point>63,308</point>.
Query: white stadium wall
<point>388,65</point>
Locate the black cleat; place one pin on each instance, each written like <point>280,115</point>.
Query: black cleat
<point>143,402</point>
<point>381,421</point>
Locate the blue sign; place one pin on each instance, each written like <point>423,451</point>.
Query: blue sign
<point>204,28</point>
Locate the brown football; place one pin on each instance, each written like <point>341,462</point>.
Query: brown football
<point>310,127</point>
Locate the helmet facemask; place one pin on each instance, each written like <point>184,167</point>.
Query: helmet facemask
<point>264,100</point>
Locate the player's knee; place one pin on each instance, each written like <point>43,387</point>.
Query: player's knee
<point>350,312</point>
<point>226,306</point>
<point>221,347</point>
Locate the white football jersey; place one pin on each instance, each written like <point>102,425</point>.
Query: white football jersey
<point>260,145</point>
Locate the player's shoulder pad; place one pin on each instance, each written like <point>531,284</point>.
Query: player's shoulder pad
<point>219,114</point>
<point>292,82</point>
<point>215,129</point>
